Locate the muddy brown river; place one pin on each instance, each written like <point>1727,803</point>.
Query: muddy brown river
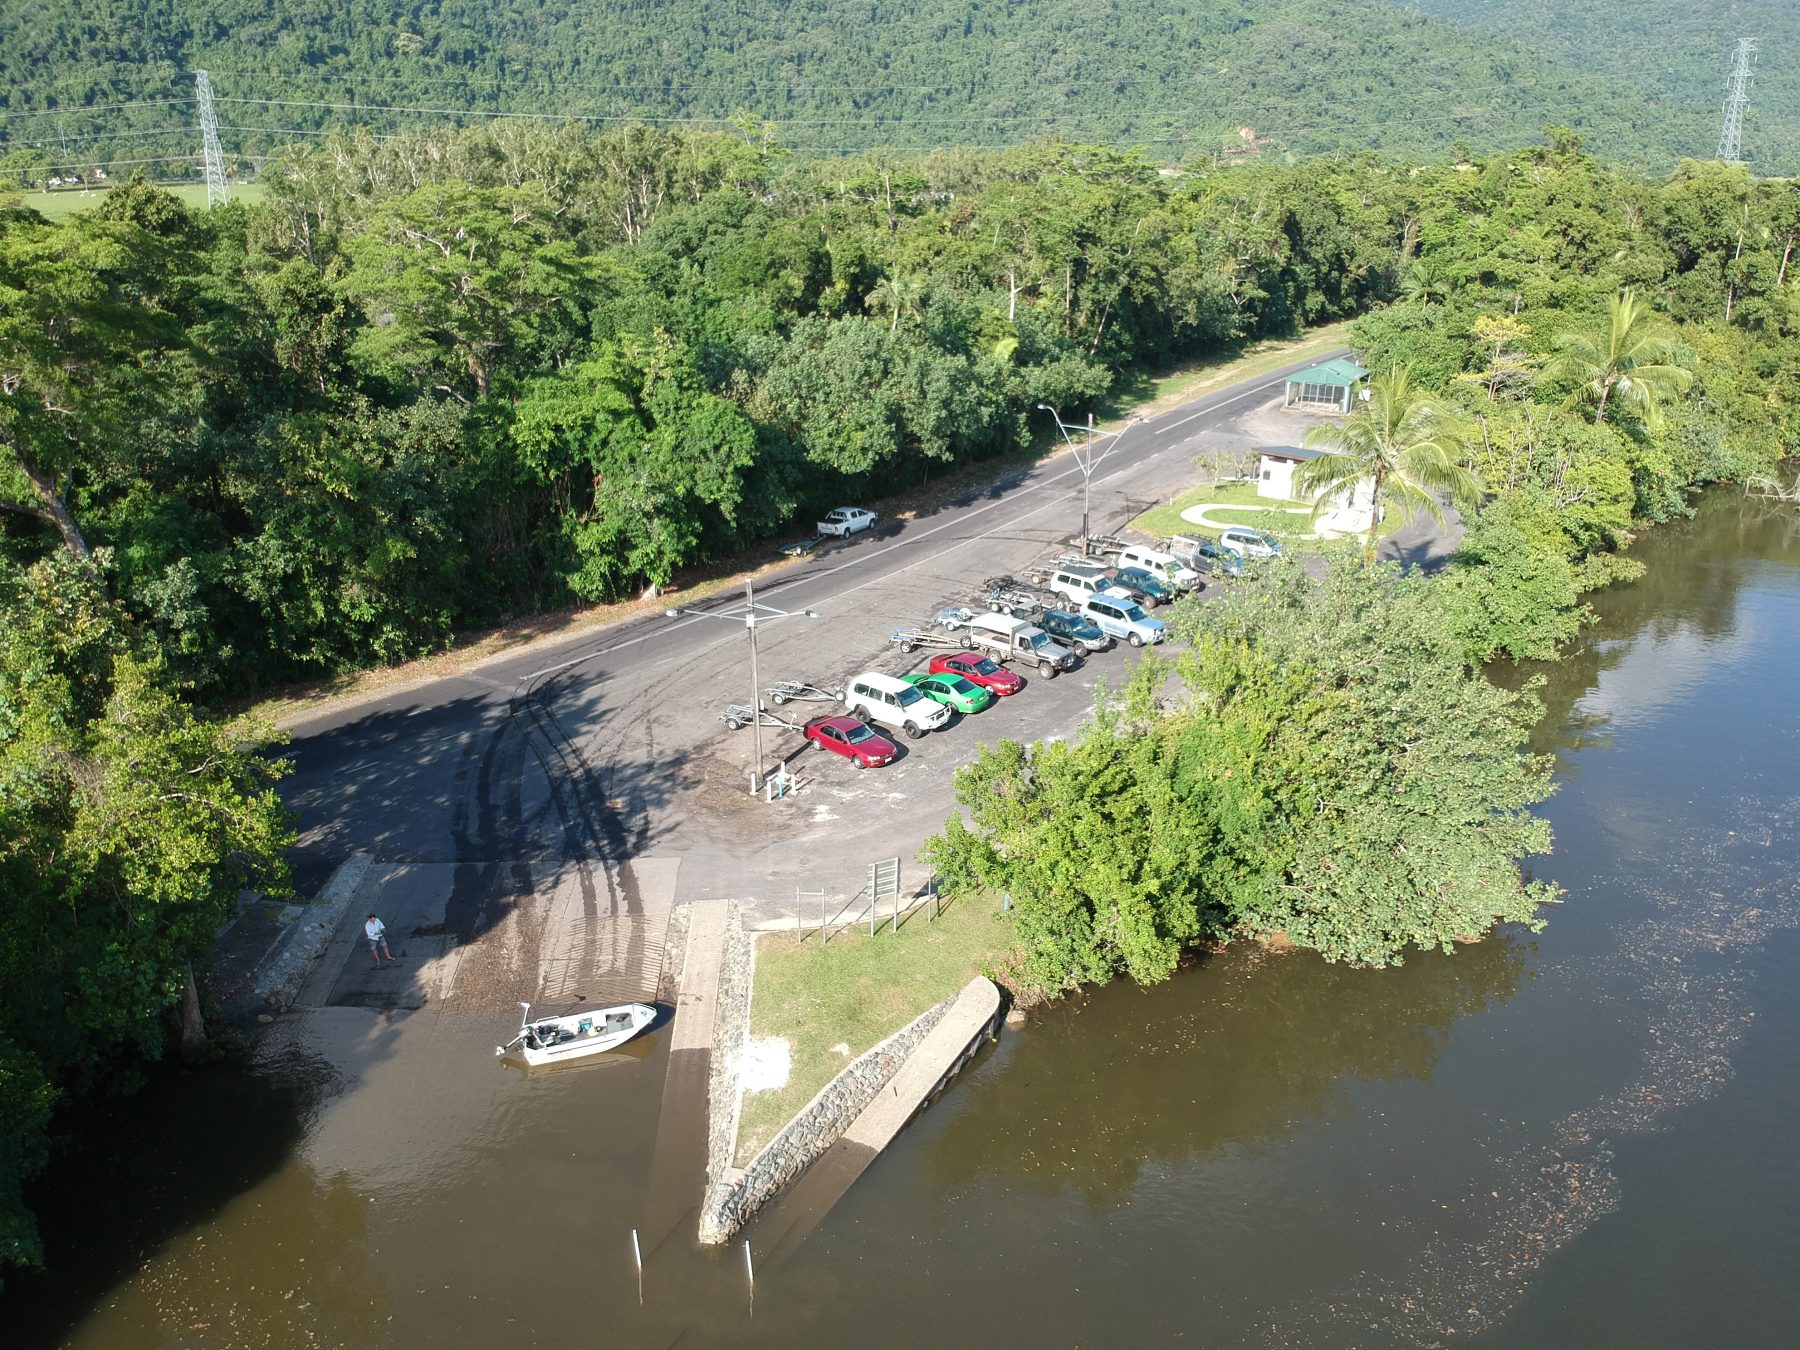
<point>1580,1138</point>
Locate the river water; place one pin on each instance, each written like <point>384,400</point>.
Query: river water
<point>1577,1138</point>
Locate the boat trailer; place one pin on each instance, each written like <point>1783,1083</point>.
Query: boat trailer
<point>736,716</point>
<point>943,635</point>
<point>798,691</point>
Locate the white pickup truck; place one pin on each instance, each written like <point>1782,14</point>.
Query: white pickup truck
<point>846,521</point>
<point>1011,639</point>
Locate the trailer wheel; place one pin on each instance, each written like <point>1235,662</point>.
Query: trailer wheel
<point>1135,640</point>
<point>779,699</point>
<point>733,724</point>
<point>838,694</point>
<point>907,647</point>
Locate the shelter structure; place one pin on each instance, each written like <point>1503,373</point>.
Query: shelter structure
<point>1331,384</point>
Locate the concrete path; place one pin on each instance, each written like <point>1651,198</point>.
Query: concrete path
<point>791,1217</point>
<point>678,1171</point>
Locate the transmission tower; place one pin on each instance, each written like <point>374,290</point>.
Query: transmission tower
<point>1737,98</point>
<point>216,193</point>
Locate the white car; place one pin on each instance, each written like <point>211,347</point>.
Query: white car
<point>1250,543</point>
<point>846,521</point>
<point>875,697</point>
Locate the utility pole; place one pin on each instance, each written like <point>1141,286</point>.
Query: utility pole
<point>1737,99</point>
<point>1086,462</point>
<point>750,612</point>
<point>216,192</point>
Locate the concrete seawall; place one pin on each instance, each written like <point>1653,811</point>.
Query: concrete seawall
<point>841,1131</point>
<point>683,1139</point>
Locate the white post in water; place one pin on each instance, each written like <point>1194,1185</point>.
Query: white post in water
<point>750,1271</point>
<point>637,1254</point>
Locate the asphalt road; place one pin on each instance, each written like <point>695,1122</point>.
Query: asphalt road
<point>580,766</point>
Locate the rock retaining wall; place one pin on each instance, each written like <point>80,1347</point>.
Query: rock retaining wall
<point>731,1034</point>
<point>732,1198</point>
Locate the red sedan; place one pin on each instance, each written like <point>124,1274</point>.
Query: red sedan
<point>856,741</point>
<point>978,669</point>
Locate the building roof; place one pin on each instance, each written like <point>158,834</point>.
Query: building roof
<point>1340,370</point>
<point>1293,452</point>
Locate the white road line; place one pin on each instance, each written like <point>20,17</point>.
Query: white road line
<point>914,539</point>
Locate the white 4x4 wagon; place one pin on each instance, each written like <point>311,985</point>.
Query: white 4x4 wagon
<point>894,703</point>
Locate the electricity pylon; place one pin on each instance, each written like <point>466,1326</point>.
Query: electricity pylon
<point>1737,98</point>
<point>216,192</point>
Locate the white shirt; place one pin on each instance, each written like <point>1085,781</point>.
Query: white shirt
<point>375,929</point>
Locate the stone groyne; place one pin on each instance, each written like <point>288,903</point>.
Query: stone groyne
<point>856,1114</point>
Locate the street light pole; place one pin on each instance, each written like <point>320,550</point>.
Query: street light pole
<point>1087,483</point>
<point>750,611</point>
<point>755,686</point>
<point>1086,463</point>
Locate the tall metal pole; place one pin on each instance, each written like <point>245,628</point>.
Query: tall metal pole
<point>1087,482</point>
<point>1737,99</point>
<point>755,687</point>
<point>216,192</point>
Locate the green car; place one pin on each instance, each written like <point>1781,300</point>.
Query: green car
<point>953,691</point>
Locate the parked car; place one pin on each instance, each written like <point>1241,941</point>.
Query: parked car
<point>1118,614</point>
<point>894,703</point>
<point>1137,581</point>
<point>1250,543</point>
<point>978,670</point>
<point>846,521</point>
<point>1165,567</point>
<point>855,740</point>
<point>1072,630</point>
<point>953,691</point>
<point>1077,583</point>
<point>1205,555</point>
<point>1010,639</point>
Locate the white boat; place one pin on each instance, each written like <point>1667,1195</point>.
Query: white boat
<point>552,1040</point>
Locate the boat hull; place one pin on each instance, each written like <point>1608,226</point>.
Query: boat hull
<point>557,1040</point>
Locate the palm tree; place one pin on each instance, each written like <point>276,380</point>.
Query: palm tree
<point>1400,440</point>
<point>900,295</point>
<point>1425,282</point>
<point>1624,357</point>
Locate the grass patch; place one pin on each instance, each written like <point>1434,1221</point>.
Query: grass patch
<point>57,205</point>
<point>1148,393</point>
<point>1271,517</point>
<point>1166,519</point>
<point>856,990</point>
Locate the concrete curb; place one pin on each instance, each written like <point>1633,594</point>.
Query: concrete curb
<point>279,980</point>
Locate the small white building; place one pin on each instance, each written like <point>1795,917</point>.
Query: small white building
<point>1348,513</point>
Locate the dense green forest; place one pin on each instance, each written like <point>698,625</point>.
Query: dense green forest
<point>1179,80</point>
<point>436,381</point>
<point>1675,50</point>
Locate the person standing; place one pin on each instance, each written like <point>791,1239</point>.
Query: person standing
<point>378,945</point>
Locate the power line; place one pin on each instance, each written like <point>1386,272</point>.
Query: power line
<point>1737,98</point>
<point>79,109</point>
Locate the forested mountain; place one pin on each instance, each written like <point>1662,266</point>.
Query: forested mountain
<point>1185,80</point>
<point>1675,50</point>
